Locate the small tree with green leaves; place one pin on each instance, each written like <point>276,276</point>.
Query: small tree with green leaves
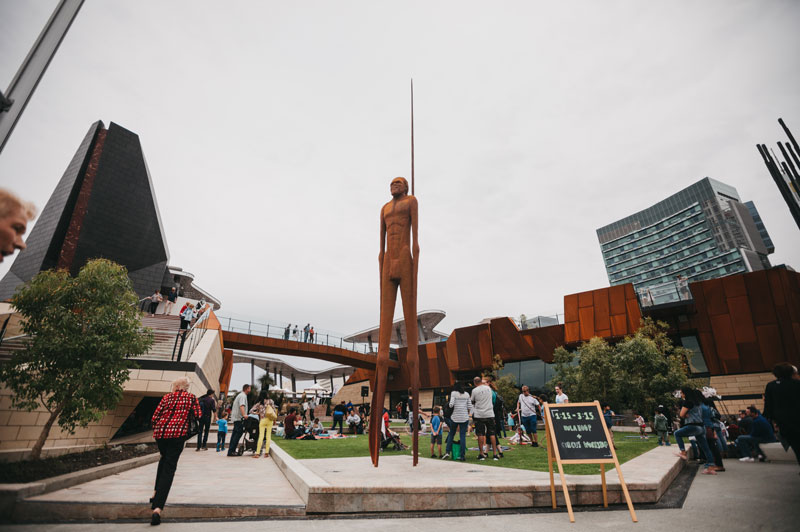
<point>82,329</point>
<point>639,373</point>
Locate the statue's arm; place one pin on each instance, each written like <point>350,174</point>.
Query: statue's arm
<point>383,243</point>
<point>414,241</point>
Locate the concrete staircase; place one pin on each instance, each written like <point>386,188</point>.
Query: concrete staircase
<point>165,330</point>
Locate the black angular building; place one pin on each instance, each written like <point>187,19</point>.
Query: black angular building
<point>103,206</point>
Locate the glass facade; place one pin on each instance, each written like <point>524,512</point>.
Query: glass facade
<point>533,373</point>
<point>698,233</point>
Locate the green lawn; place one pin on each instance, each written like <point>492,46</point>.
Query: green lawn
<point>524,457</point>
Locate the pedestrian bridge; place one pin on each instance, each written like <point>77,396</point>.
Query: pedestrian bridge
<point>243,335</point>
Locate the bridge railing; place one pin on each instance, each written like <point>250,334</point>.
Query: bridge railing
<point>279,331</point>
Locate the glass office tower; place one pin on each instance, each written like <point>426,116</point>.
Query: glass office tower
<point>702,232</point>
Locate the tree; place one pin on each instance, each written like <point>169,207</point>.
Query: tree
<point>640,372</point>
<point>81,329</point>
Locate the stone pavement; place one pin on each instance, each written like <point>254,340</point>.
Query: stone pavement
<point>748,497</point>
<point>354,485</point>
<point>206,481</point>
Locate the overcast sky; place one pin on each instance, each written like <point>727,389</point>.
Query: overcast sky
<point>272,131</point>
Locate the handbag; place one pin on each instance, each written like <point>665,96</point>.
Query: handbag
<point>192,424</point>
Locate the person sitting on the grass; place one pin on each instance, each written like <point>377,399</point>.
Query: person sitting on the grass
<point>289,429</point>
<point>762,432</point>
<point>316,427</point>
<point>353,421</point>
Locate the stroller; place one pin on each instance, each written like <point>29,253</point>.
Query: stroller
<point>250,436</point>
<point>393,439</point>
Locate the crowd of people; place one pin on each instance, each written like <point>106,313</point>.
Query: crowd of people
<point>696,420</point>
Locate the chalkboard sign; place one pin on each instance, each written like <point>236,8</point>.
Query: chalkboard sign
<point>579,433</point>
<point>576,434</point>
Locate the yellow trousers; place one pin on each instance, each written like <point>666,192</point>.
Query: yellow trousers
<point>264,426</point>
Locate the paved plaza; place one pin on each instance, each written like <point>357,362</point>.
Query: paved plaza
<point>757,496</point>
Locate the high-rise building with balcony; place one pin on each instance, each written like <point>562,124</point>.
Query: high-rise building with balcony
<point>702,232</point>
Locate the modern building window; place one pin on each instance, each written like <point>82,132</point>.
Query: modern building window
<point>697,364</point>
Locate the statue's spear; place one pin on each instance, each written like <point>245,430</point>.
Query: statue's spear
<point>412,136</point>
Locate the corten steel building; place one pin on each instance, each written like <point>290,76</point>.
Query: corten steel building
<point>738,328</point>
<point>702,232</point>
<point>103,206</point>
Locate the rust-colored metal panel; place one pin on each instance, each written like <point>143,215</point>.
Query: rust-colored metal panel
<point>762,305</point>
<point>601,311</point>
<point>226,371</point>
<point>619,325</point>
<point>507,341</point>
<point>699,320</point>
<point>572,332</point>
<point>750,357</point>
<point>723,338</point>
<point>770,344</point>
<point>734,286</point>
<point>485,353</point>
<point>586,322</point>
<point>715,297</point>
<point>429,355</point>
<point>634,315</point>
<point>360,375</point>
<point>545,340</point>
<point>571,308</point>
<point>585,299</point>
<point>616,296</point>
<point>742,320</point>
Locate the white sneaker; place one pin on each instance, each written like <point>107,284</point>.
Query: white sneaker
<point>747,459</point>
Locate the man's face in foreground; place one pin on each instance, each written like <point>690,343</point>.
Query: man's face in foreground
<point>12,227</point>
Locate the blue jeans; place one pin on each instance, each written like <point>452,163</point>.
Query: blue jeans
<point>746,443</point>
<point>221,441</point>
<point>699,433</point>
<point>462,436</point>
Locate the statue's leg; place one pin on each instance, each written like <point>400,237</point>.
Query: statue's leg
<point>388,300</point>
<point>409,295</point>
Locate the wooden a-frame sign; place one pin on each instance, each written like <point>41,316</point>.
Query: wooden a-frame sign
<point>577,434</point>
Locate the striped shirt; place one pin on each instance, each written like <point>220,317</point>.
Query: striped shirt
<point>170,420</point>
<point>461,405</point>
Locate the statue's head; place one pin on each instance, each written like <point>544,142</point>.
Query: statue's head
<point>399,187</point>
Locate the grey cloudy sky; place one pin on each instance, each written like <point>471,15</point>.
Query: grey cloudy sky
<point>272,130</point>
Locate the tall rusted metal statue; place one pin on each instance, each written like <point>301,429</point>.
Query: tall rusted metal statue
<point>398,262</point>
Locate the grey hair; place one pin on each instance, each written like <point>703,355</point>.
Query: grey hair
<point>181,383</point>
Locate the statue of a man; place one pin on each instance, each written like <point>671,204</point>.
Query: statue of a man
<point>398,262</point>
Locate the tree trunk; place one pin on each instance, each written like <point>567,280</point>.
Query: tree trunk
<point>36,452</point>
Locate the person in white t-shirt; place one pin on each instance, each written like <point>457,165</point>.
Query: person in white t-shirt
<point>561,397</point>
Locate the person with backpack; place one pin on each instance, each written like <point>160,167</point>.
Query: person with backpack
<point>208,405</point>
<point>498,404</point>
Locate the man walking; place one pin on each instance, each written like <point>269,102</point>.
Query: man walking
<point>172,297</point>
<point>238,415</point>
<point>305,332</point>
<point>483,415</point>
<point>207,406</point>
<point>286,332</point>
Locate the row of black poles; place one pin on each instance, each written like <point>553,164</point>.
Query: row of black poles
<point>789,167</point>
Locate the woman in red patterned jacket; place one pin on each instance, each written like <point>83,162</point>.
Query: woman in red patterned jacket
<point>170,425</point>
